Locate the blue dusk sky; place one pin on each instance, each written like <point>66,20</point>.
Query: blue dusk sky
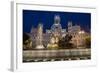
<point>33,18</point>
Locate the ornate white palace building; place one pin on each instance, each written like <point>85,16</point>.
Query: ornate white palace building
<point>52,36</point>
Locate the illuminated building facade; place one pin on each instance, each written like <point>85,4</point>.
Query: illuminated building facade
<point>52,36</point>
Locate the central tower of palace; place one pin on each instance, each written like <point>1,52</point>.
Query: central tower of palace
<point>56,29</point>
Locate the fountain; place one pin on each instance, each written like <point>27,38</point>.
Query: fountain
<point>39,38</point>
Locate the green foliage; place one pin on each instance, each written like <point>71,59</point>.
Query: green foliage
<point>64,43</point>
<point>88,42</point>
<point>50,47</point>
<point>27,42</point>
<point>25,38</point>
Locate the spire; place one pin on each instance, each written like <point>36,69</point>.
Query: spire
<point>57,19</point>
<point>40,25</point>
<point>32,29</point>
<point>69,24</point>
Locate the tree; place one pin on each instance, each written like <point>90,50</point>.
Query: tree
<point>88,42</point>
<point>25,37</point>
<point>64,43</point>
<point>27,42</point>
